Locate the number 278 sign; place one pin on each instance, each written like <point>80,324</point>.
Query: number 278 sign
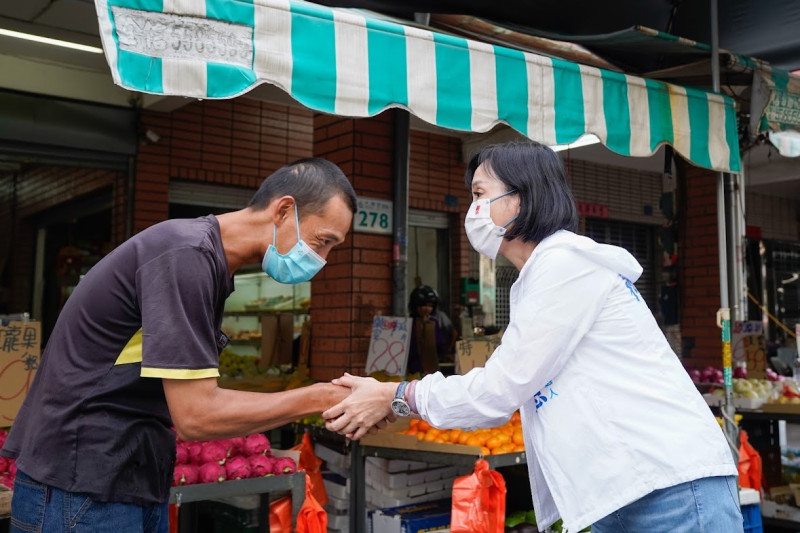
<point>373,216</point>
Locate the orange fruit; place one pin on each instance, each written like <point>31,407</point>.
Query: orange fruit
<point>464,436</point>
<point>516,418</point>
<point>517,438</point>
<point>420,435</point>
<point>505,438</point>
<point>454,435</point>
<point>518,448</point>
<point>485,451</point>
<point>493,442</point>
<point>473,440</point>
<point>423,426</point>
<point>413,423</point>
<point>441,440</point>
<point>430,437</point>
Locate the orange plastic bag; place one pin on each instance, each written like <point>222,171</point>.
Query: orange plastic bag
<point>749,464</point>
<point>280,515</point>
<point>312,518</point>
<point>479,501</point>
<point>311,464</point>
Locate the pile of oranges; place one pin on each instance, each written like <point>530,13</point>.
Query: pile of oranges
<point>502,439</point>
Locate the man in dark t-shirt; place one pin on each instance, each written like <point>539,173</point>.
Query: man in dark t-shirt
<point>135,351</point>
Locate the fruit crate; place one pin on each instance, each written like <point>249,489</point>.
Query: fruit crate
<point>752,518</point>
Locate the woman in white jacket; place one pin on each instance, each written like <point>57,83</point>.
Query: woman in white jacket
<point>616,435</point>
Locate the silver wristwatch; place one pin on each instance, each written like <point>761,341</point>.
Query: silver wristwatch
<point>399,405</point>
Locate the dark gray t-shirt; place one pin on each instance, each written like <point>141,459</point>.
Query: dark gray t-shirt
<point>96,420</point>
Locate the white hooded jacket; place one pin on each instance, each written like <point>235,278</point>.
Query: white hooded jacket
<point>609,414</point>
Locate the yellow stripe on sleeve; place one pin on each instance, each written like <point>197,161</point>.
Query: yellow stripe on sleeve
<point>179,373</point>
<point>132,352</point>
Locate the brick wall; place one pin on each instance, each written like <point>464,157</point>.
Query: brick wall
<point>698,265</point>
<point>356,283</point>
<point>228,142</point>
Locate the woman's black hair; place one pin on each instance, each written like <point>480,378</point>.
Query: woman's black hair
<point>311,182</point>
<point>536,173</point>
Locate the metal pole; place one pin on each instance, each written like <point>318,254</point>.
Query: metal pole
<point>400,211</point>
<point>724,314</point>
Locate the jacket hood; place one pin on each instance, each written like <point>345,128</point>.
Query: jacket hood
<point>612,257</point>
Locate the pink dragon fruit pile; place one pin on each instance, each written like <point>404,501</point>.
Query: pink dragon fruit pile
<point>214,461</point>
<point>8,468</point>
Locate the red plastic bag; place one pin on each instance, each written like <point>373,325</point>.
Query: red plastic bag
<point>280,515</point>
<point>749,464</point>
<point>479,501</point>
<point>311,464</point>
<point>312,518</point>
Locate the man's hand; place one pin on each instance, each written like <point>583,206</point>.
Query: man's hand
<point>368,407</point>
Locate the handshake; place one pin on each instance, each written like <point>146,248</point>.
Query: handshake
<point>360,405</point>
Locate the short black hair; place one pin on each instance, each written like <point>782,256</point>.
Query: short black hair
<point>311,182</point>
<point>546,204</point>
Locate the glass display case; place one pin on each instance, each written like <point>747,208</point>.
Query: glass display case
<point>256,302</point>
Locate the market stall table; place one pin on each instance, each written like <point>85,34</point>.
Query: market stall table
<point>263,486</point>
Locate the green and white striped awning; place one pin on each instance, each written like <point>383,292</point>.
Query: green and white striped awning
<point>340,62</point>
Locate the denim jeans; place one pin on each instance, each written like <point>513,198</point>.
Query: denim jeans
<point>706,505</point>
<point>40,508</point>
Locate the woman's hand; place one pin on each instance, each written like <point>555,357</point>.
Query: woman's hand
<point>367,407</point>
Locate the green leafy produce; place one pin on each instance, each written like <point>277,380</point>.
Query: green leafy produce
<point>515,518</point>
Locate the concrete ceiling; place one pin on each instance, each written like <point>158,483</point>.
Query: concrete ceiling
<point>60,72</point>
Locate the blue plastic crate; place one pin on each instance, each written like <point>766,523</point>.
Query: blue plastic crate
<point>752,518</point>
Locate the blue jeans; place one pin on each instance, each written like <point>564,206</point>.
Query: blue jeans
<point>706,505</point>
<point>40,508</point>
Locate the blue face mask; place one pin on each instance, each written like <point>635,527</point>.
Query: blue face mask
<point>297,266</point>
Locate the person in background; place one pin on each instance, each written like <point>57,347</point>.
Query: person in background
<point>136,351</point>
<point>432,332</point>
<point>616,434</point>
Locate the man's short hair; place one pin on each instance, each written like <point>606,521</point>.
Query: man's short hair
<point>536,172</point>
<point>311,182</point>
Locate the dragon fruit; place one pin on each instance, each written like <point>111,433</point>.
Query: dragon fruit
<point>237,468</point>
<point>194,448</point>
<point>256,444</point>
<point>237,446</point>
<point>212,473</point>
<point>213,451</point>
<point>184,475</point>
<point>227,446</point>
<point>261,465</point>
<point>181,454</point>
<point>284,465</point>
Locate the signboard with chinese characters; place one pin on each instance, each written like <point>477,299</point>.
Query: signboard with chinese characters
<point>749,348</point>
<point>475,352</point>
<point>20,345</point>
<point>373,216</point>
<point>388,345</point>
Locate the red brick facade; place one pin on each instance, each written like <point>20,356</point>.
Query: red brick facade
<point>228,142</point>
<point>698,262</point>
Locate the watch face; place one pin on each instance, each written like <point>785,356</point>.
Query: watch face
<point>400,408</point>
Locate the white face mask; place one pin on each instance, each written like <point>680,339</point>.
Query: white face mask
<point>484,235</point>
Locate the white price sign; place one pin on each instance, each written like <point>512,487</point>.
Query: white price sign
<point>373,216</point>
